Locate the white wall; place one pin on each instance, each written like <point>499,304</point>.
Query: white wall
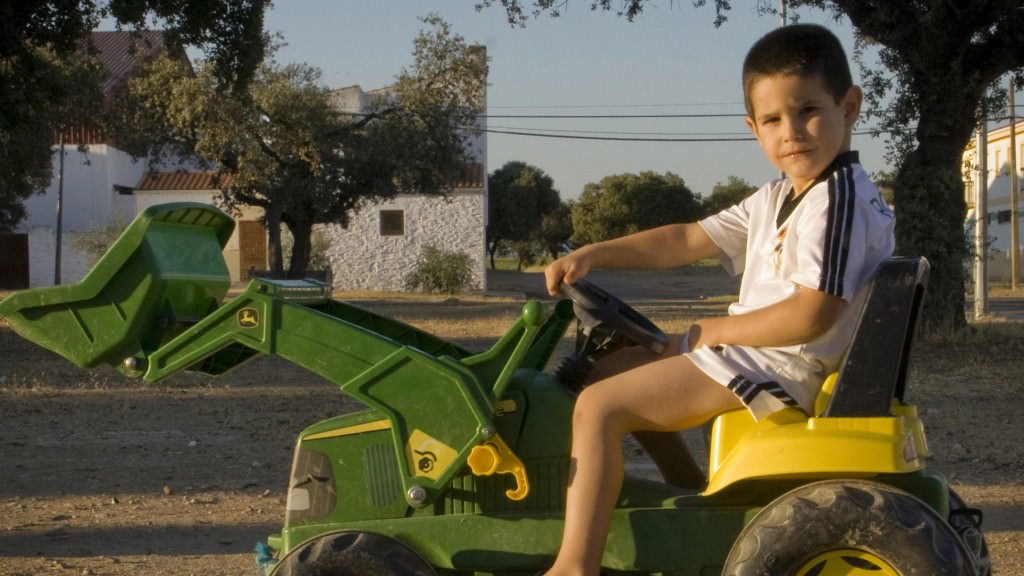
<point>363,259</point>
<point>42,255</point>
<point>89,195</point>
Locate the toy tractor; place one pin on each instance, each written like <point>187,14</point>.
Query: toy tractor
<point>459,462</point>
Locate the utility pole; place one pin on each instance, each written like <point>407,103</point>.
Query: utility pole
<point>1014,190</point>
<point>981,224</point>
<point>782,11</point>
<point>60,211</point>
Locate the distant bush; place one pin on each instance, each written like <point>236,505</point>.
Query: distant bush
<point>440,271</point>
<point>94,242</point>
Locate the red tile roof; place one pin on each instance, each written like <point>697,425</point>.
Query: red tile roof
<point>122,52</point>
<point>182,181</point>
<point>474,178</point>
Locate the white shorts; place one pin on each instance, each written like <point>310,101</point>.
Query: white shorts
<point>763,379</point>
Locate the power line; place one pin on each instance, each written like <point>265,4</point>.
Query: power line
<point>571,136</point>
<point>615,138</point>
<point>608,116</point>
<point>615,132</point>
<point>587,106</point>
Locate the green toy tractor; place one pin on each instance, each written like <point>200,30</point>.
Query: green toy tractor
<point>459,462</point>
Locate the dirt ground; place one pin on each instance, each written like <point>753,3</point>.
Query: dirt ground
<point>102,475</point>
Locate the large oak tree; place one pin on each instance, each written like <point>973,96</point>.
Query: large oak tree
<point>42,83</point>
<point>281,144</point>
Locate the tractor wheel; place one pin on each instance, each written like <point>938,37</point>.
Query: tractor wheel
<point>352,553</point>
<point>847,528</point>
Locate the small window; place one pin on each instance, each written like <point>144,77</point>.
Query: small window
<point>124,190</point>
<point>1003,217</point>
<point>392,222</point>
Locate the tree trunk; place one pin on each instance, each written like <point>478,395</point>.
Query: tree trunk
<point>302,241</point>
<point>930,207</point>
<point>274,257</point>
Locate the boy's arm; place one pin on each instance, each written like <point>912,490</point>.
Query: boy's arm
<point>663,247</point>
<point>802,317</point>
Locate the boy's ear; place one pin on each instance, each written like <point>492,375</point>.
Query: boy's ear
<point>851,105</point>
<point>751,125</point>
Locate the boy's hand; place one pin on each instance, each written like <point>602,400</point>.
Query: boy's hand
<point>568,269</point>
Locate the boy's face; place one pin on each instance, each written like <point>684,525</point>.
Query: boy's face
<point>800,126</point>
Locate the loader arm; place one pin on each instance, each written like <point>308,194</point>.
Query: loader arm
<point>152,308</point>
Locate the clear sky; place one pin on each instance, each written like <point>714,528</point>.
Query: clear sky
<point>670,61</point>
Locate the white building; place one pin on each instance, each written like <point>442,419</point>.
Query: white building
<point>999,210</point>
<point>384,241</point>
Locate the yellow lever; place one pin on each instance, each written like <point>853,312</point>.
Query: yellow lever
<point>494,456</point>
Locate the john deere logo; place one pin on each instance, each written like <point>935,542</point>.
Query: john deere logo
<point>248,318</point>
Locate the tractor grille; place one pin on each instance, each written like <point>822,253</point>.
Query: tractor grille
<point>380,472</point>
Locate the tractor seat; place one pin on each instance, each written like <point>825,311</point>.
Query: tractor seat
<point>862,403</point>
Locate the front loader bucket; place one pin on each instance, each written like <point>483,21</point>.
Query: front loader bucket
<point>164,273</point>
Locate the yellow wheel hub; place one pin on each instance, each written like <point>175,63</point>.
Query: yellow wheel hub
<point>847,563</point>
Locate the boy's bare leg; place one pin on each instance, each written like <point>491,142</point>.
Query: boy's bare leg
<point>667,450</point>
<point>666,395</point>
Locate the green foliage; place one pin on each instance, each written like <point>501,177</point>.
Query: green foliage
<point>726,195</point>
<point>44,91</point>
<point>47,82</point>
<point>286,148</point>
<point>628,203</point>
<point>555,229</point>
<point>442,271</point>
<point>521,198</point>
<point>94,242</point>
<point>884,180</point>
<point>319,249</point>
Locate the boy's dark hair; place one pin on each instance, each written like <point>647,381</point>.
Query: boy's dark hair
<point>805,50</point>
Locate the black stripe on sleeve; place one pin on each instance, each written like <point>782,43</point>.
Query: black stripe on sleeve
<point>838,228</point>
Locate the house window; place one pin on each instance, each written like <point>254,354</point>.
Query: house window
<point>392,222</point>
<point>124,190</point>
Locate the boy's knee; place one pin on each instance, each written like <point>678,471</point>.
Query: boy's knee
<point>598,410</point>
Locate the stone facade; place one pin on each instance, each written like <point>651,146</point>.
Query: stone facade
<point>366,257</point>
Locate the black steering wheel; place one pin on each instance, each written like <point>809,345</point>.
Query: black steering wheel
<point>611,319</point>
<point>604,324</point>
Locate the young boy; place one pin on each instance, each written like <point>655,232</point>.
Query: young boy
<point>807,245</point>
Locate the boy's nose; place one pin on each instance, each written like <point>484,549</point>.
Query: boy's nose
<point>793,131</point>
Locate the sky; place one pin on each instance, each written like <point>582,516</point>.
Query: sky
<point>671,61</point>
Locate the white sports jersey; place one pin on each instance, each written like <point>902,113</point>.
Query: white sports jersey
<point>833,240</point>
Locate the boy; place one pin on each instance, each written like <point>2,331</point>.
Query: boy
<point>807,245</point>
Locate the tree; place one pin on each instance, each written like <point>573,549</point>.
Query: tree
<point>939,62</point>
<point>556,229</point>
<point>519,196</point>
<point>726,195</point>
<point>39,40</point>
<point>283,145</point>
<point>71,82</point>
<point>628,203</point>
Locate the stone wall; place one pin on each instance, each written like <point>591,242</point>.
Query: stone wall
<point>364,258</point>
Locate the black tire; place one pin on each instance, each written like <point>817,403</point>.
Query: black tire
<point>352,553</point>
<point>848,527</point>
<point>966,521</point>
